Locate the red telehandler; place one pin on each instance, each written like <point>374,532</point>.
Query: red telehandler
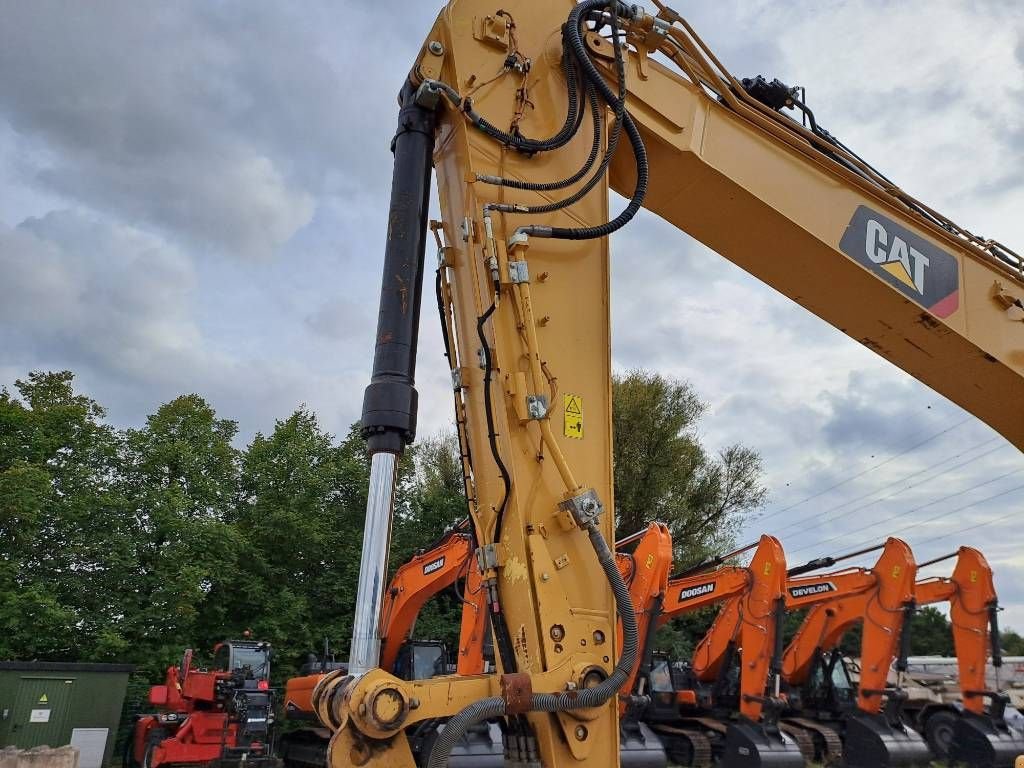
<point>221,717</point>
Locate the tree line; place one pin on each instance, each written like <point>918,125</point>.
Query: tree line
<point>130,544</point>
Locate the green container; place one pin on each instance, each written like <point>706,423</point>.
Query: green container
<point>53,703</point>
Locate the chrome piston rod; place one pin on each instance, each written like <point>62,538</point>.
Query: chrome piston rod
<point>373,565</point>
<point>390,400</point>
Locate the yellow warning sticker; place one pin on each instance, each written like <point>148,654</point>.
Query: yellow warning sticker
<point>573,406</point>
<point>43,699</point>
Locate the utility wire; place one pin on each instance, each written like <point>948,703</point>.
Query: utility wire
<point>919,523</point>
<point>820,522</point>
<point>904,452</point>
<point>993,521</point>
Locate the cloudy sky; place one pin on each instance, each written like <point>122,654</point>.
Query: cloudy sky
<point>193,199</point>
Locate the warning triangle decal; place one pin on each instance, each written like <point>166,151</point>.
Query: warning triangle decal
<point>43,699</point>
<point>572,406</point>
<point>897,270</point>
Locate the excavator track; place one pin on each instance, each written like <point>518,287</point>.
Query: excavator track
<point>803,740</point>
<point>828,744</point>
<point>686,746</point>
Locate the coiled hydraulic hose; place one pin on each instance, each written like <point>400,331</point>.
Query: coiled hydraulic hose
<point>586,698</point>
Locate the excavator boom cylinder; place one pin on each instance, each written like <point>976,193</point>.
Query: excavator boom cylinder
<point>389,403</point>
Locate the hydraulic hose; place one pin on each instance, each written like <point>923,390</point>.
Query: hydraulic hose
<point>545,186</point>
<point>627,213</point>
<point>574,40</point>
<point>524,144</point>
<point>586,698</point>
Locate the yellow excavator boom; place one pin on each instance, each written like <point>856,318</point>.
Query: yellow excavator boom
<point>528,115</point>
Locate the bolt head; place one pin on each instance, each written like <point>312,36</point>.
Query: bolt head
<point>435,47</point>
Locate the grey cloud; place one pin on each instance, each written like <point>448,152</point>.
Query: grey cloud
<point>117,306</point>
<point>214,131</point>
<point>878,414</point>
<point>338,319</point>
<point>93,293</point>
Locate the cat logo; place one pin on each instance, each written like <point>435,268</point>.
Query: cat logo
<point>649,562</point>
<point>903,259</point>
<point>433,565</point>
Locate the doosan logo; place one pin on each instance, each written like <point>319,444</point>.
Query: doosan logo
<point>812,589</point>
<point>433,565</point>
<point>696,591</point>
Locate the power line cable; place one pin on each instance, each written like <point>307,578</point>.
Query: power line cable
<point>904,452</point>
<point>958,531</point>
<point>917,509</point>
<point>833,518</point>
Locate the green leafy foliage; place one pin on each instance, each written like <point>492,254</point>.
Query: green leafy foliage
<point>134,544</point>
<point>1012,643</point>
<point>663,473</point>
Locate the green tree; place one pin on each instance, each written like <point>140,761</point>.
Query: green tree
<point>663,473</point>
<point>930,633</point>
<point>64,548</point>
<point>1011,643</point>
<point>181,477</point>
<point>301,515</point>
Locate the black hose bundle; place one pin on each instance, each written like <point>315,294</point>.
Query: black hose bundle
<point>585,698</point>
<point>576,63</point>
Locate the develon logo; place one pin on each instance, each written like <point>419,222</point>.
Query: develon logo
<point>812,589</point>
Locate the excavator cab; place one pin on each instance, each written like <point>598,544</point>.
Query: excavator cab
<point>421,660</point>
<point>829,687</point>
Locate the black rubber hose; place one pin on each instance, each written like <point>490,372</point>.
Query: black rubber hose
<point>586,698</point>
<point>523,143</point>
<point>506,479</point>
<point>619,105</point>
<point>546,186</point>
<point>627,213</point>
<point>501,633</point>
<point>575,41</point>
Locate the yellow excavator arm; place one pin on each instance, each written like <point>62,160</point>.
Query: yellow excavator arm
<point>528,115</point>
<point>798,210</point>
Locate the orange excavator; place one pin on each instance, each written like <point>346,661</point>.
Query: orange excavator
<point>429,572</point>
<point>863,726</point>
<point>969,733</point>
<point>692,706</point>
<point>692,716</point>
